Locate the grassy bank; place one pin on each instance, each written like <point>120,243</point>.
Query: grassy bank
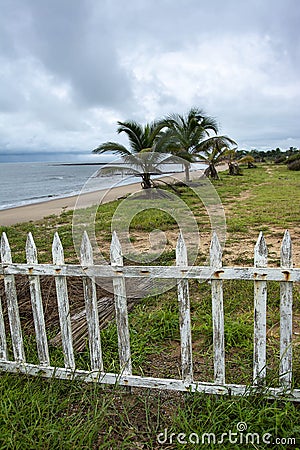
<point>51,414</point>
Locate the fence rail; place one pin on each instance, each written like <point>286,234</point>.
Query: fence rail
<point>215,272</point>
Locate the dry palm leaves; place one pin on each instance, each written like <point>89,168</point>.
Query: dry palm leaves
<point>106,308</point>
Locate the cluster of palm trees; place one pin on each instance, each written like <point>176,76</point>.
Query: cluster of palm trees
<point>192,138</point>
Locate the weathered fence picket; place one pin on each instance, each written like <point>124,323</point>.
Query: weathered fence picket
<point>217,312</point>
<point>37,305</point>
<point>181,272</point>
<point>3,344</point>
<point>12,303</point>
<point>91,307</point>
<point>286,315</point>
<point>116,259</point>
<point>260,314</point>
<point>63,304</point>
<point>184,314</point>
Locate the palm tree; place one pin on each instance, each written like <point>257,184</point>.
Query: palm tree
<point>214,150</point>
<point>233,164</point>
<point>249,160</point>
<point>143,140</point>
<point>184,135</point>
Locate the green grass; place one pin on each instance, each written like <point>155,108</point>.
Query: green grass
<point>39,414</point>
<point>55,414</point>
<point>272,199</point>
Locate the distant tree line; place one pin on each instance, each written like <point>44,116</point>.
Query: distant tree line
<point>291,157</point>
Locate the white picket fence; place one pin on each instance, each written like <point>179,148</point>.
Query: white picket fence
<point>286,275</point>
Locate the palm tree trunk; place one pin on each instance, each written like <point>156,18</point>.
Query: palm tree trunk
<point>211,172</point>
<point>187,171</point>
<point>234,168</point>
<point>146,183</point>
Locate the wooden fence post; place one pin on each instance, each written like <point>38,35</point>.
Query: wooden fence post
<point>91,306</point>
<point>217,312</point>
<point>12,304</point>
<point>37,305</point>
<point>286,315</point>
<point>121,308</point>
<point>260,313</point>
<point>184,314</point>
<point>63,304</point>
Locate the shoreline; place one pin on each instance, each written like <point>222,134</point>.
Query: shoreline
<point>37,211</point>
<point>40,210</point>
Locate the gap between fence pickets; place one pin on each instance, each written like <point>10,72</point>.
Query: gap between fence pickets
<point>87,271</point>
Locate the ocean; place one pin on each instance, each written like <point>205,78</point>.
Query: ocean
<point>26,183</point>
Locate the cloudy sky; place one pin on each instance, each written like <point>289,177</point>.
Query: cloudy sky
<point>69,69</point>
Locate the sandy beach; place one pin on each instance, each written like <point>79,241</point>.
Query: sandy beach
<point>40,210</point>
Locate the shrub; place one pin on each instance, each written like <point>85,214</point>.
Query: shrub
<point>293,158</point>
<point>295,165</point>
<point>280,159</point>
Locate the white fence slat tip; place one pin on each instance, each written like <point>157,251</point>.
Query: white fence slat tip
<point>57,250</point>
<point>215,251</point>
<point>29,236</point>
<point>31,251</point>
<point>181,251</point>
<point>180,237</point>
<point>260,251</point>
<point>86,251</point>
<point>3,237</point>
<point>286,251</point>
<point>116,255</point>
<point>5,249</point>
<point>114,239</point>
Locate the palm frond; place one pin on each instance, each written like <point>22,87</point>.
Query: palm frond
<point>215,142</point>
<point>214,148</point>
<point>112,147</point>
<point>134,133</point>
<point>155,130</point>
<point>141,137</point>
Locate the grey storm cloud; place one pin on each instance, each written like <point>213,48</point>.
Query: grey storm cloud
<point>70,69</point>
<point>65,39</point>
